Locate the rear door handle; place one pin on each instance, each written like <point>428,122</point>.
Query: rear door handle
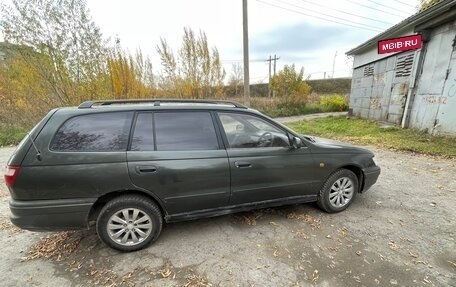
<point>242,164</point>
<point>145,169</point>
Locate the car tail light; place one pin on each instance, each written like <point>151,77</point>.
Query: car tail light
<point>11,174</point>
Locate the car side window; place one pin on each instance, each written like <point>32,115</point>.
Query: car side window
<point>247,131</point>
<point>178,131</point>
<point>143,135</point>
<point>94,132</point>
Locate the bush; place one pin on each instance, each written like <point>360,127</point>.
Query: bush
<point>11,135</point>
<point>335,103</point>
<point>289,84</point>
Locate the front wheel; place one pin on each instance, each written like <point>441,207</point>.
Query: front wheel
<point>129,222</point>
<point>338,192</point>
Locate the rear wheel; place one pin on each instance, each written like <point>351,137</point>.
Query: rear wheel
<point>129,222</point>
<point>339,191</point>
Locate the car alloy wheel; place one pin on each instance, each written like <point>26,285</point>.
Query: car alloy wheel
<point>341,192</point>
<point>129,226</point>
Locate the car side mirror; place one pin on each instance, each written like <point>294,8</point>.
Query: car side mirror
<point>296,142</point>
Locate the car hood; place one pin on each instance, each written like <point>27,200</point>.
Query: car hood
<point>329,144</point>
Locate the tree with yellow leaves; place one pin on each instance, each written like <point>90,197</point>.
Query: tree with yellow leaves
<point>131,76</point>
<point>196,72</point>
<point>289,83</point>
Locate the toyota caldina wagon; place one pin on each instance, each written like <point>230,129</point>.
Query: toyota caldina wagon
<point>132,165</point>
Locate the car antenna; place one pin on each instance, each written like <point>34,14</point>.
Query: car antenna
<point>38,154</point>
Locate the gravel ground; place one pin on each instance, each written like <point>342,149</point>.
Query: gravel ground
<point>400,233</point>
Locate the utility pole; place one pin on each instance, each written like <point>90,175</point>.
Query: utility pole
<point>275,60</point>
<point>269,82</point>
<point>245,29</point>
<point>270,62</point>
<point>334,64</point>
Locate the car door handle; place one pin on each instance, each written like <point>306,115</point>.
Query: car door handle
<point>145,169</point>
<point>242,164</point>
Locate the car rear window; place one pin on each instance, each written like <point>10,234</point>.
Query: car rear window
<point>177,131</point>
<point>94,132</point>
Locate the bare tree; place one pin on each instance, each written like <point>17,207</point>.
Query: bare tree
<point>236,77</point>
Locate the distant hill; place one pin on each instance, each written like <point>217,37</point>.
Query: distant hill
<point>322,86</point>
<point>331,86</point>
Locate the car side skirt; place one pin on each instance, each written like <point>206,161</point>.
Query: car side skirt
<point>239,208</point>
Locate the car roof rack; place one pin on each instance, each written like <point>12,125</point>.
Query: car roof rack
<point>157,102</point>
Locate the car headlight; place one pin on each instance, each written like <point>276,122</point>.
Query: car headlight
<point>375,161</point>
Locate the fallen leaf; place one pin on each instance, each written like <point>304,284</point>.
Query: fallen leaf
<point>315,276</point>
<point>392,245</point>
<point>344,232</point>
<point>420,262</point>
<point>276,252</point>
<point>165,273</point>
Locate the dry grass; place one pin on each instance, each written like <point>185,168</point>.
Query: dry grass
<point>9,227</point>
<point>250,218</point>
<point>195,280</point>
<point>307,218</point>
<point>283,107</point>
<point>58,246</point>
<point>107,277</point>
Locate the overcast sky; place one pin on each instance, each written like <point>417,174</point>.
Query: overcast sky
<point>287,28</point>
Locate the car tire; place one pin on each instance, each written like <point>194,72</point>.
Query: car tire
<point>129,222</point>
<point>339,191</point>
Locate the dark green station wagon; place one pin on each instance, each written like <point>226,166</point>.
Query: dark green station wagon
<point>131,165</point>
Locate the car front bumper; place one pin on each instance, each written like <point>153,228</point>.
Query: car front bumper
<point>371,175</point>
<point>51,215</point>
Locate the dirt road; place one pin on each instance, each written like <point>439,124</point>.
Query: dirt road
<point>285,120</point>
<point>400,233</point>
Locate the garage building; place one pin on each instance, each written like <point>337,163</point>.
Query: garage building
<point>415,89</point>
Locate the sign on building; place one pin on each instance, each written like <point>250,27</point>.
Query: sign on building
<point>400,44</point>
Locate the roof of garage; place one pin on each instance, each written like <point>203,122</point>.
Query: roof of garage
<point>444,9</point>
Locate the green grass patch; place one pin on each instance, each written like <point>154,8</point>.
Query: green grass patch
<point>11,135</point>
<point>367,132</point>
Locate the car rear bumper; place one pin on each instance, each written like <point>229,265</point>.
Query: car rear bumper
<point>371,175</point>
<point>51,215</point>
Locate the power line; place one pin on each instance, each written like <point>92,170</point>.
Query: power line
<point>386,6</point>
<point>240,60</point>
<point>327,15</point>
<point>345,12</point>
<point>404,3</point>
<point>317,17</point>
<point>373,8</point>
